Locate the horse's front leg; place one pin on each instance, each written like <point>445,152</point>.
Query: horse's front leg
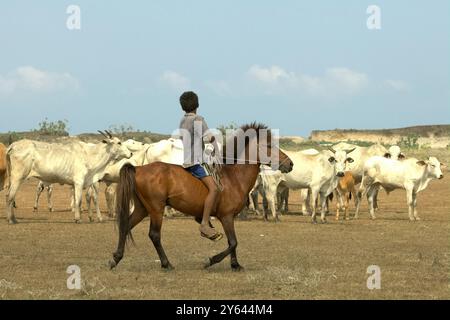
<point>228,226</point>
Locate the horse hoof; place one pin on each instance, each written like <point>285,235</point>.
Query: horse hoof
<point>12,221</point>
<point>35,209</point>
<point>168,267</point>
<point>207,263</point>
<point>237,268</point>
<point>112,264</point>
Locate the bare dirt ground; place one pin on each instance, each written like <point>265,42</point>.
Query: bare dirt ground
<point>289,260</point>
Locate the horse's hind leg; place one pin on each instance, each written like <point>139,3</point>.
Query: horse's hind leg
<point>228,227</point>
<point>138,214</point>
<point>155,235</point>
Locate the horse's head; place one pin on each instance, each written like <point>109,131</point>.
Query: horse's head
<point>262,148</point>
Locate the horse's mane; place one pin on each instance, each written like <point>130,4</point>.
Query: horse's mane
<point>238,133</point>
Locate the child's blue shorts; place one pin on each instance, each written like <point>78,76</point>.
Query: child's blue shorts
<point>198,171</point>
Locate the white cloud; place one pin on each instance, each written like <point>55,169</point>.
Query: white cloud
<point>220,87</point>
<point>175,80</point>
<point>397,85</point>
<point>272,74</point>
<point>334,81</point>
<point>31,79</point>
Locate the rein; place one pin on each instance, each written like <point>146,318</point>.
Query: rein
<point>257,162</point>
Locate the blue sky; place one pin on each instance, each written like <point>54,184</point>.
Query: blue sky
<point>294,65</point>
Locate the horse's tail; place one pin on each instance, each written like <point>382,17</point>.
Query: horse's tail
<point>126,189</point>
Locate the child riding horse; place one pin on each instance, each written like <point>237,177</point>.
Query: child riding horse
<point>153,186</point>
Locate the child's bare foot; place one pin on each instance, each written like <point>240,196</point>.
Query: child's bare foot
<point>210,233</point>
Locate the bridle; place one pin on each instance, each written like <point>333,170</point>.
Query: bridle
<point>257,162</point>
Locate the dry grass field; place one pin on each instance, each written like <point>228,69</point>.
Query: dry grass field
<point>289,260</point>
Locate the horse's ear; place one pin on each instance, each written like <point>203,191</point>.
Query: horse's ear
<point>421,163</point>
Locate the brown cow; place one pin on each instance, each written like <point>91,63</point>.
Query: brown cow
<point>345,189</point>
<point>2,166</point>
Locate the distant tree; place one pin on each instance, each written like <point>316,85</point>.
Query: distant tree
<point>53,128</point>
<point>121,129</point>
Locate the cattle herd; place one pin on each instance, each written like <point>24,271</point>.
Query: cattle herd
<point>320,175</point>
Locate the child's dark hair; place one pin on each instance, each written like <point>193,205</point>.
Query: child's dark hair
<point>189,101</point>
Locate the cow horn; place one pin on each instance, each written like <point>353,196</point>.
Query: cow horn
<point>331,149</point>
<point>351,150</point>
<point>109,134</point>
<point>102,133</point>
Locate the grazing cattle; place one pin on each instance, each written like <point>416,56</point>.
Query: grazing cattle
<point>345,190</point>
<point>360,155</point>
<point>270,184</point>
<point>409,174</point>
<point>78,164</point>
<point>2,166</point>
<point>320,173</point>
<point>169,151</point>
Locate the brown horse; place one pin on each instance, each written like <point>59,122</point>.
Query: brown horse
<point>153,186</point>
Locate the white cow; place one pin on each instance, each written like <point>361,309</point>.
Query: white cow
<point>409,174</point>
<point>271,186</point>
<point>266,185</point>
<point>78,164</point>
<point>92,191</point>
<point>320,173</point>
<point>133,145</point>
<point>170,151</point>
